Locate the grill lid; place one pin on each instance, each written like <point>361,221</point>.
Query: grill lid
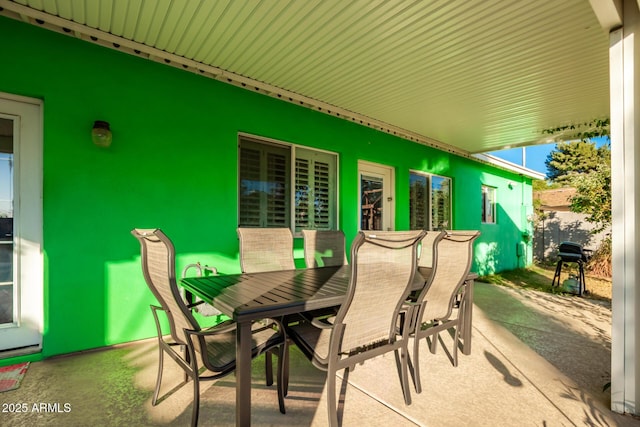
<point>571,251</point>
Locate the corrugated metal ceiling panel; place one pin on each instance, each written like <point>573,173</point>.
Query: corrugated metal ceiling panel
<point>476,75</point>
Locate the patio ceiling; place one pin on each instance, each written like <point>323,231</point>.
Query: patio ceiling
<point>467,76</point>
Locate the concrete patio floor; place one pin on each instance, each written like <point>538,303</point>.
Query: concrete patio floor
<point>537,359</point>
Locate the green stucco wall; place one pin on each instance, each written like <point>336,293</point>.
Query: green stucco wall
<point>173,165</point>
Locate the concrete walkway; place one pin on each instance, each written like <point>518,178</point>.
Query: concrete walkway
<point>537,359</point>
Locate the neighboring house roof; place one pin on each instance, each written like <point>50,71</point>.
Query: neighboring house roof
<point>558,199</point>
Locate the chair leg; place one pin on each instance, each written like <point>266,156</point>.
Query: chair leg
<point>456,341</point>
<point>187,358</point>
<point>461,322</point>
<point>282,372</point>
<point>154,401</point>
<point>434,343</point>
<point>196,401</point>
<point>268,367</point>
<point>332,406</point>
<point>402,364</point>
<point>285,374</point>
<point>416,365</point>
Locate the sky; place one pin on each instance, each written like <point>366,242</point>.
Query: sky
<point>535,155</point>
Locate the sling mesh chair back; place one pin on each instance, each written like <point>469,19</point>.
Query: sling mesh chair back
<point>212,348</point>
<point>426,253</point>
<point>383,266</point>
<point>425,261</point>
<point>442,301</point>
<point>324,248</point>
<point>265,249</point>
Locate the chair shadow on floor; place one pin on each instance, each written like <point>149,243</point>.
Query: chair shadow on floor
<point>504,371</point>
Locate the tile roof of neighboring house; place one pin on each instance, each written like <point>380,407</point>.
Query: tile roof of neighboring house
<point>556,199</point>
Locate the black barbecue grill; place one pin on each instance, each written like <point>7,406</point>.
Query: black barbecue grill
<point>570,252</point>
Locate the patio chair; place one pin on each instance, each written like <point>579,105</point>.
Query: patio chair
<point>440,305</point>
<point>213,348</point>
<point>383,265</point>
<point>266,249</point>
<point>425,258</point>
<point>324,248</point>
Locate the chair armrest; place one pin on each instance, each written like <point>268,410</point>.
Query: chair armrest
<point>154,310</point>
<point>322,323</point>
<point>318,322</point>
<point>200,269</point>
<point>212,270</point>
<point>410,311</point>
<point>221,328</point>
<point>192,305</point>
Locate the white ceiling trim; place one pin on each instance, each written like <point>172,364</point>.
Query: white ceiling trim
<point>480,76</point>
<point>64,26</point>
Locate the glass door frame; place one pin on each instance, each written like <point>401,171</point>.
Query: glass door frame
<point>24,334</point>
<point>387,174</point>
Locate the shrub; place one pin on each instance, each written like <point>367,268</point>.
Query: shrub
<point>600,262</point>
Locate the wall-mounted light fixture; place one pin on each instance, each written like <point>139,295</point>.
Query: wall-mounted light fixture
<point>101,134</point>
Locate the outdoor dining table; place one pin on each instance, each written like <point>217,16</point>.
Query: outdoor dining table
<point>248,297</point>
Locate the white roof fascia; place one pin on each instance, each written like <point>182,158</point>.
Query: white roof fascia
<point>511,167</point>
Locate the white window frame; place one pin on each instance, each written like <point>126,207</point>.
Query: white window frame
<point>295,149</point>
<point>489,204</point>
<point>430,177</point>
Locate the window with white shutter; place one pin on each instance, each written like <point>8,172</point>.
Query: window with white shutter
<point>266,180</point>
<point>440,202</point>
<point>429,202</point>
<point>303,193</point>
<point>418,201</point>
<point>315,184</point>
<point>264,185</point>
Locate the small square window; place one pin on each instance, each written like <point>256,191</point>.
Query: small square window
<point>488,205</point>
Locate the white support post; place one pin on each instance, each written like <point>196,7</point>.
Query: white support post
<point>625,183</point>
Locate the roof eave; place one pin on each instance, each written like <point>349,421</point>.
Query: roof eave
<point>509,166</point>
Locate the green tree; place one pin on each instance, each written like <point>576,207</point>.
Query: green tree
<point>593,195</point>
<point>541,185</point>
<point>593,198</point>
<point>571,159</point>
<point>588,169</point>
